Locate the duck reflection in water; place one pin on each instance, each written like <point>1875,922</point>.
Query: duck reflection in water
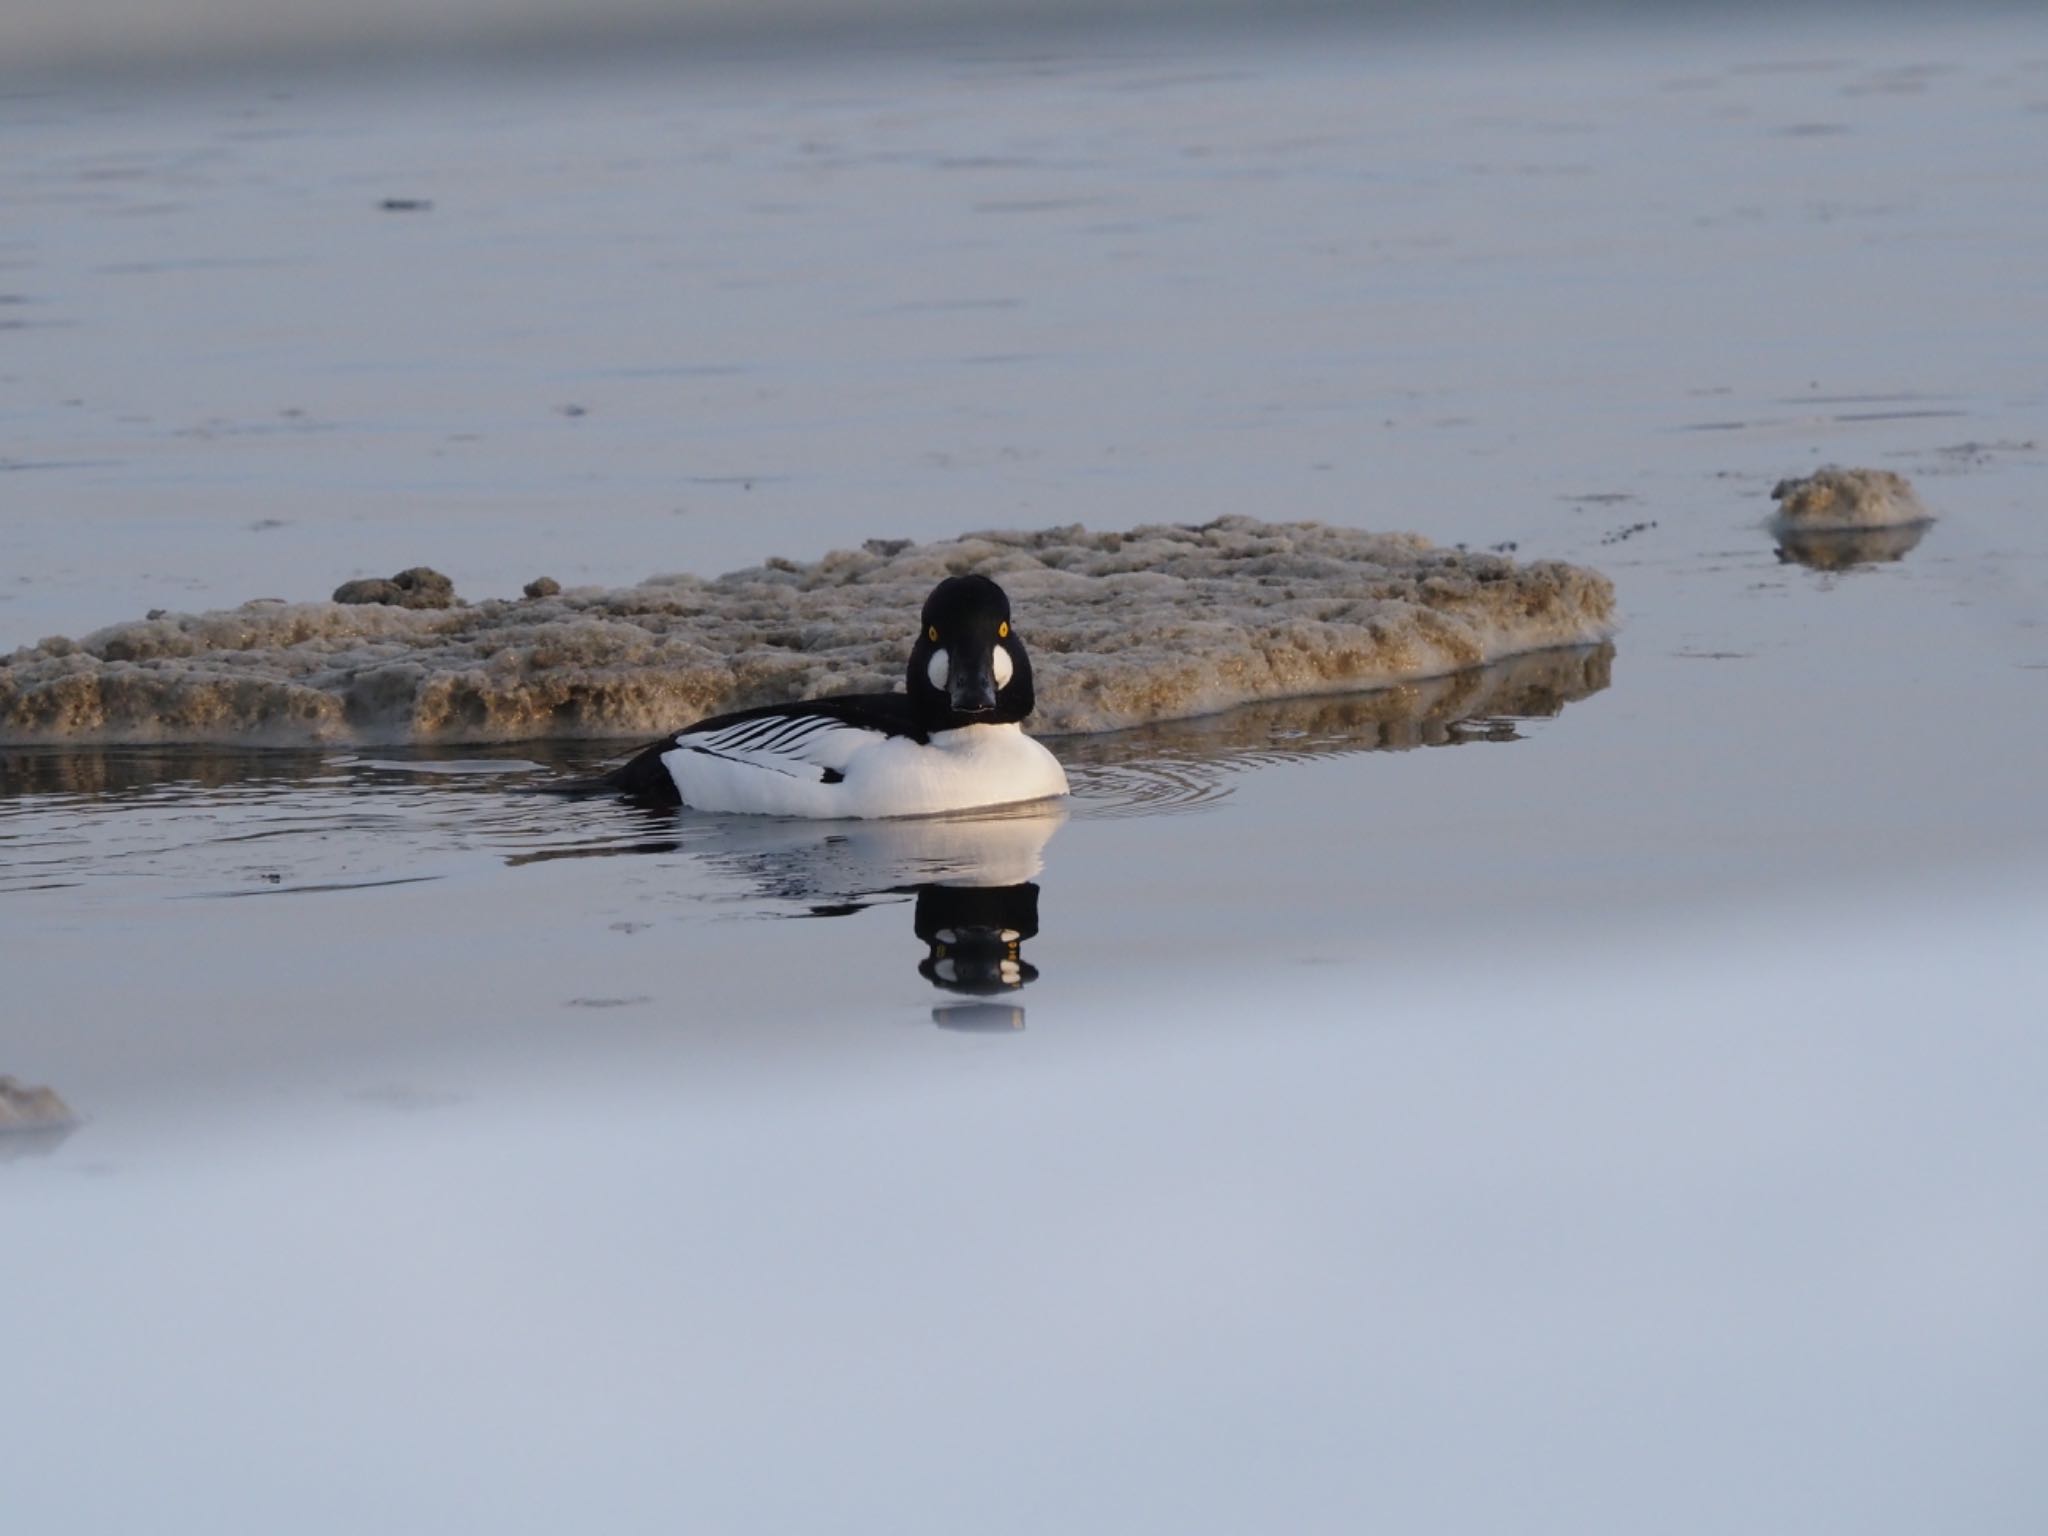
<point>975,935</point>
<point>972,880</point>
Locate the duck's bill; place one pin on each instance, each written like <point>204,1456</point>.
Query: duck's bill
<point>972,691</point>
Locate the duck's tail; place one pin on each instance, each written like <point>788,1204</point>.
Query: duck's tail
<point>643,777</point>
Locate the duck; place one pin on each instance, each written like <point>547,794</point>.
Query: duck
<point>952,740</point>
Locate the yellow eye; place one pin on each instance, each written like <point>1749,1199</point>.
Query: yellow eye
<point>1003,630</point>
<point>932,634</point>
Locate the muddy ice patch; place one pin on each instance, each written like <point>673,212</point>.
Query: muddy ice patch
<point>1158,623</point>
<point>1837,500</point>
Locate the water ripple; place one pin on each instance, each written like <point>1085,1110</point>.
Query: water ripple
<point>203,822</point>
<point>1183,766</point>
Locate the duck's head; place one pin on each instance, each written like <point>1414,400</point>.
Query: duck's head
<point>968,666</point>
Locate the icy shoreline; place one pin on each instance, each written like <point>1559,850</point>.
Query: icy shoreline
<point>1162,622</point>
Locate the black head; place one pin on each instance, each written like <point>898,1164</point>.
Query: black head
<point>968,666</point>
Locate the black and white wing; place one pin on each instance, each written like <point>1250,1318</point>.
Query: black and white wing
<point>803,744</point>
<point>807,743</point>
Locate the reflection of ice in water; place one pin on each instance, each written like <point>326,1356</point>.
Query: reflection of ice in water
<point>1842,549</point>
<point>1187,764</point>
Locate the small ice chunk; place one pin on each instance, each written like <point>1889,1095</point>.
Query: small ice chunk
<point>1833,497</point>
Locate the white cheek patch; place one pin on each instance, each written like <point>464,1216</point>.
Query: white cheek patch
<point>1004,666</point>
<point>938,669</point>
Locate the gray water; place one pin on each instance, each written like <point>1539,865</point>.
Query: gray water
<point>1609,1102</point>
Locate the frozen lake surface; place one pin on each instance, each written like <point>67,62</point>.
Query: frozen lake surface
<point>1600,1094</point>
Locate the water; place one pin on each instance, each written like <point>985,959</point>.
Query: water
<point>1627,1118</point>
<point>123,829</point>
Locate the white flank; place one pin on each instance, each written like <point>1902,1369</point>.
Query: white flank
<point>779,772</point>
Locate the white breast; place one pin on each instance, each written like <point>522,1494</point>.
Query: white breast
<point>881,775</point>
